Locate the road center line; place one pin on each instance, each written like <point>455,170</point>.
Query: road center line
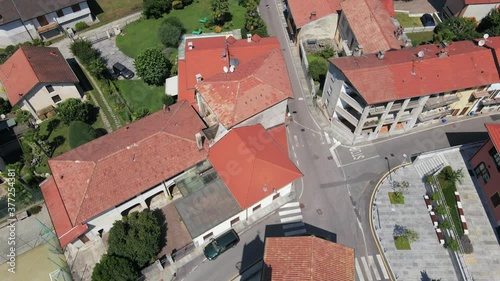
<point>355,162</point>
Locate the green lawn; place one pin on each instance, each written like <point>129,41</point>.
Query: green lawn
<point>402,243</point>
<point>420,38</point>
<point>109,10</point>
<point>406,21</point>
<point>396,198</point>
<point>141,34</point>
<point>449,189</point>
<point>138,94</point>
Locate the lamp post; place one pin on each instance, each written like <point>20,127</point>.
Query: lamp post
<point>388,168</point>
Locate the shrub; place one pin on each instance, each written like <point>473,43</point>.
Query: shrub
<point>152,66</point>
<point>81,25</point>
<point>35,210</point>
<point>5,106</point>
<point>318,68</point>
<point>411,235</point>
<point>445,224</point>
<point>168,100</point>
<point>140,113</point>
<point>453,244</point>
<point>169,34</point>
<point>217,29</point>
<point>83,50</point>
<point>23,116</point>
<point>125,115</point>
<point>80,133</point>
<point>440,209</point>
<point>436,196</point>
<point>326,53</point>
<point>175,21</point>
<point>156,8</point>
<point>112,267</point>
<point>74,110</point>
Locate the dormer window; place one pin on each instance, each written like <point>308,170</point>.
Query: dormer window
<point>49,88</point>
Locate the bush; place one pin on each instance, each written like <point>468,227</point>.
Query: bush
<point>115,268</point>
<point>169,34</point>
<point>217,29</point>
<point>152,66</point>
<point>23,116</point>
<point>125,115</point>
<point>318,68</point>
<point>74,110</point>
<point>81,25</point>
<point>440,209</point>
<point>445,224</point>
<point>35,210</point>
<point>326,53</point>
<point>168,100</point>
<point>156,8</point>
<point>175,21</point>
<point>83,50</point>
<point>80,133</point>
<point>140,113</point>
<point>5,106</point>
<point>453,244</point>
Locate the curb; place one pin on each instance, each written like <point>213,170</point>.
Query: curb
<point>370,214</point>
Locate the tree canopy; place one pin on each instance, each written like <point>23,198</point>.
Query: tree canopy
<point>455,29</point>
<point>5,106</point>
<point>220,11</point>
<point>74,110</point>
<point>155,8</point>
<point>114,268</point>
<point>490,24</point>
<point>152,66</point>
<point>169,34</point>
<point>80,133</point>
<point>83,50</point>
<point>318,68</point>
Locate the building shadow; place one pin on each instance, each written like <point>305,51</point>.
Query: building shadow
<point>95,8</point>
<point>466,137</point>
<point>437,4</point>
<point>84,81</point>
<point>162,221</point>
<point>277,230</point>
<point>252,254</point>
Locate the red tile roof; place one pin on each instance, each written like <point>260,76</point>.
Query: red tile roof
<point>494,132</point>
<point>279,135</point>
<point>110,170</point>
<point>401,74</point>
<point>474,2</point>
<point>389,6</point>
<point>29,66</point>
<point>302,10</point>
<point>307,258</point>
<point>252,164</point>
<point>371,24</point>
<point>65,230</point>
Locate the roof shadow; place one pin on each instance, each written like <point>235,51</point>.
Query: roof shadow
<point>466,137</point>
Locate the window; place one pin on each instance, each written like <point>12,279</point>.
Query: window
<point>56,98</point>
<point>49,88</point>
<point>206,237</point>
<point>496,157</point>
<point>276,196</point>
<point>482,172</point>
<point>60,13</point>
<point>495,199</point>
<point>76,7</point>
<point>42,20</point>
<point>256,208</point>
<point>329,92</point>
<point>235,220</point>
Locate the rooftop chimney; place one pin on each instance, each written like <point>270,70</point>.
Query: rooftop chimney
<point>249,37</point>
<point>380,55</point>
<point>199,78</point>
<point>358,51</point>
<point>53,53</point>
<point>199,141</point>
<point>190,45</point>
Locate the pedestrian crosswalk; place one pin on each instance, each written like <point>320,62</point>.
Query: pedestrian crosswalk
<point>291,217</point>
<point>324,139</point>
<point>370,268</point>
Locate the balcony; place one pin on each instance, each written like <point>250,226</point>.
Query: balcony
<point>436,102</point>
<point>413,104</point>
<point>48,27</point>
<point>348,116</point>
<point>433,114</point>
<point>351,101</point>
<point>487,102</point>
<point>377,110</point>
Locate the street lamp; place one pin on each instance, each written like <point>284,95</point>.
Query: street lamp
<point>389,168</point>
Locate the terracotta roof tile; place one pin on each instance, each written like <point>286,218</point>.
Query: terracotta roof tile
<point>371,24</point>
<point>401,74</point>
<point>29,66</point>
<point>494,132</point>
<point>101,174</point>
<point>279,134</point>
<point>307,258</point>
<point>474,2</point>
<point>302,10</point>
<point>249,159</point>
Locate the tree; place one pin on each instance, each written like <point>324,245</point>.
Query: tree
<point>74,110</point>
<point>169,34</point>
<point>5,106</point>
<point>403,187</point>
<point>83,50</point>
<point>454,175</point>
<point>220,11</point>
<point>114,268</point>
<point>168,100</point>
<point>318,68</point>
<point>175,21</point>
<point>455,29</point>
<point>445,224</point>
<point>80,133</point>
<point>490,24</point>
<point>252,16</point>
<point>152,66</point>
<point>411,235</point>
<point>155,8</point>
<point>23,116</point>
<point>97,67</point>
<point>136,237</point>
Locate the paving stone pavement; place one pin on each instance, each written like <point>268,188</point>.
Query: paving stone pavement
<point>112,55</point>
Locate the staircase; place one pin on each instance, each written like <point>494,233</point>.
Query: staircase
<point>428,165</point>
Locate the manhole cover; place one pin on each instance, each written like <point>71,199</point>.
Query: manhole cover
<point>329,157</point>
<point>302,206</point>
<point>319,212</point>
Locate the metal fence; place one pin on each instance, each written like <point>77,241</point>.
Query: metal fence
<point>418,29</point>
<point>103,34</point>
<point>184,251</point>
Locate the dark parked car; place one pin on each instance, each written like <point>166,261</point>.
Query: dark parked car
<point>427,20</point>
<point>221,244</point>
<point>120,69</point>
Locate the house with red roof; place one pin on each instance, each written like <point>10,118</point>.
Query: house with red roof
<point>390,93</point>
<point>486,164</point>
<point>365,27</point>
<point>235,82</point>
<point>306,258</point>
<point>37,79</point>
<point>476,9</point>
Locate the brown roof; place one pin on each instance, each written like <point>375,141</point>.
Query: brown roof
<point>307,258</point>
<point>304,12</point>
<point>29,9</point>
<point>29,66</point>
<point>494,132</point>
<point>371,24</point>
<point>104,173</point>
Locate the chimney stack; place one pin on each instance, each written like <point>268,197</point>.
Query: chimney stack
<point>358,51</point>
<point>199,141</point>
<point>380,55</point>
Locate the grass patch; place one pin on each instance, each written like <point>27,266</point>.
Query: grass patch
<point>449,189</point>
<point>396,198</point>
<point>402,243</point>
<point>420,38</point>
<point>138,94</point>
<point>141,34</point>
<point>109,10</point>
<point>406,21</point>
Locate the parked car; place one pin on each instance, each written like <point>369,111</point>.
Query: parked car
<point>427,20</point>
<point>120,69</point>
<point>221,244</point>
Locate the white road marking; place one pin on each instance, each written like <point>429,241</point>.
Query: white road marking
<point>371,262</point>
<point>296,140</point>
<point>334,155</point>
<point>367,270</point>
<point>293,225</point>
<point>288,212</point>
<point>328,140</point>
<point>290,205</point>
<point>294,154</point>
<point>359,273</point>
<point>295,232</point>
<point>289,219</point>
<point>365,159</point>
<point>381,264</point>
<point>300,98</point>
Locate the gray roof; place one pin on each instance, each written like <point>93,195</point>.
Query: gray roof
<point>207,207</point>
<point>29,9</point>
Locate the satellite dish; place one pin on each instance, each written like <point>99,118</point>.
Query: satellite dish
<point>2,116</point>
<point>231,68</point>
<point>481,43</point>
<point>486,35</point>
<point>225,69</point>
<point>421,54</point>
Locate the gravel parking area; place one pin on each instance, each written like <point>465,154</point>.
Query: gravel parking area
<point>112,55</point>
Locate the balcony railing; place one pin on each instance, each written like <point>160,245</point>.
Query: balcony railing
<point>48,27</point>
<point>436,102</point>
<point>486,102</point>
<point>434,114</point>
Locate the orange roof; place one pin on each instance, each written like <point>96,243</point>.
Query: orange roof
<point>252,164</point>
<point>65,230</point>
<point>304,12</point>
<point>371,24</point>
<point>402,74</point>
<point>103,173</point>
<point>474,2</point>
<point>494,132</point>
<point>307,258</point>
<point>279,135</point>
<point>29,66</point>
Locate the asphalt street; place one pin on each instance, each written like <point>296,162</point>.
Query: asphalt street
<point>335,191</point>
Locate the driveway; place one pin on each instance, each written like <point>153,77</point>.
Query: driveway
<point>419,6</point>
<point>111,54</point>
